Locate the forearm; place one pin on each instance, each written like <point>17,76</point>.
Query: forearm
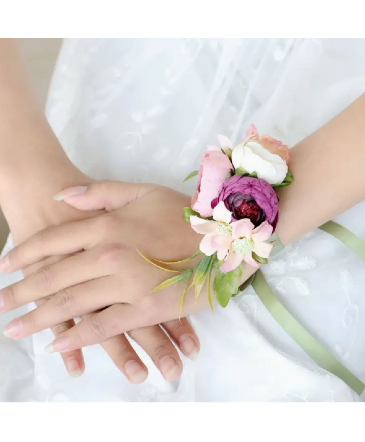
<point>328,172</point>
<point>33,165</point>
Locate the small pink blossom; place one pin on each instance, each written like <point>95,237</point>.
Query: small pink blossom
<point>233,242</point>
<point>245,240</point>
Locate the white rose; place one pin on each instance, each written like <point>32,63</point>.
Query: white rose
<point>252,157</point>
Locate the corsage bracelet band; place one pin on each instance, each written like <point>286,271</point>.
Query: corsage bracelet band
<point>235,207</point>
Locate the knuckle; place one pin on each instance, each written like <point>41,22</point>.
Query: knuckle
<point>63,300</point>
<point>122,355</point>
<point>10,296</point>
<point>113,253</point>
<point>43,279</point>
<point>95,327</point>
<point>42,237</point>
<point>152,308</point>
<point>178,328</point>
<point>162,349</point>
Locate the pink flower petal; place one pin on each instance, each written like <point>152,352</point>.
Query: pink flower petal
<point>242,228</point>
<point>214,170</point>
<point>213,148</point>
<point>262,232</point>
<point>249,260</point>
<point>216,243</point>
<point>206,245</point>
<point>225,142</point>
<point>263,249</point>
<point>222,244</point>
<point>202,226</point>
<point>252,131</point>
<point>231,262</point>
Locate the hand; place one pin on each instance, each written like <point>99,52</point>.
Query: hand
<point>109,275</point>
<point>152,339</point>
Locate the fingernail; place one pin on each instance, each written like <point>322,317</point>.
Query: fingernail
<point>59,344</point>
<point>2,303</point>
<point>135,371</point>
<point>73,368</point>
<point>169,368</point>
<point>189,347</point>
<point>72,191</point>
<point>14,328</point>
<point>4,263</point>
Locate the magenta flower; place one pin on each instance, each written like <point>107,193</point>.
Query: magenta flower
<point>215,166</point>
<point>248,197</point>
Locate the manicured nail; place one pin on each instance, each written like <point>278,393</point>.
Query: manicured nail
<point>135,371</point>
<point>4,263</point>
<point>169,368</point>
<point>59,344</point>
<point>2,303</point>
<point>73,367</point>
<point>14,328</point>
<point>189,347</point>
<point>72,191</point>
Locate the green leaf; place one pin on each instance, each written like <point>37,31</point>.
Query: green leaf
<point>210,269</point>
<point>226,285</point>
<point>200,275</point>
<point>171,281</point>
<point>244,172</point>
<point>188,212</point>
<point>259,259</point>
<point>179,262</point>
<point>246,284</point>
<point>156,265</point>
<point>287,181</point>
<point>191,175</point>
<point>240,171</point>
<point>183,293</point>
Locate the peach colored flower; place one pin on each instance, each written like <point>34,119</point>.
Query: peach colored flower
<point>269,143</point>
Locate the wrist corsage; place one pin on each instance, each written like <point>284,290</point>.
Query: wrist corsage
<point>235,207</point>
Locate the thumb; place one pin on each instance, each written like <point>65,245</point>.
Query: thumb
<point>108,195</point>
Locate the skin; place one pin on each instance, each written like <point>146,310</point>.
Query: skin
<point>321,190</point>
<point>29,149</point>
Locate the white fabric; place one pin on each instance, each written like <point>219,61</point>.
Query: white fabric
<point>144,110</point>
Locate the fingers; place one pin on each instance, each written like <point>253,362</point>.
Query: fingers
<point>59,240</point>
<point>99,327</point>
<point>121,318</point>
<point>183,334</point>
<point>73,360</point>
<point>126,359</point>
<point>53,278</point>
<point>108,195</point>
<point>69,303</point>
<point>161,350</point>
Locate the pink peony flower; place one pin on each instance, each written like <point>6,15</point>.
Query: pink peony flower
<point>233,242</point>
<point>248,197</point>
<point>215,166</point>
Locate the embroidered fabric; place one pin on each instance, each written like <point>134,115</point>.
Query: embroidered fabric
<point>144,110</point>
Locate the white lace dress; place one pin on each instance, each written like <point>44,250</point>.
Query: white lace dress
<point>144,110</point>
